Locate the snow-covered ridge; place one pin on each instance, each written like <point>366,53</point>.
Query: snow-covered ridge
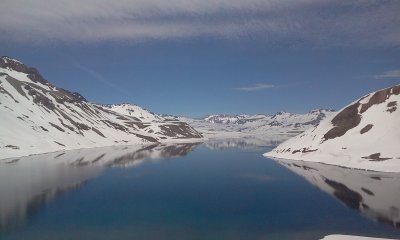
<point>365,134</point>
<point>260,125</point>
<point>38,117</point>
<point>134,111</point>
<point>284,118</point>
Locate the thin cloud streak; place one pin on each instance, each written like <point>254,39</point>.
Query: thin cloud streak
<point>389,74</point>
<point>98,77</point>
<point>255,87</point>
<point>319,22</point>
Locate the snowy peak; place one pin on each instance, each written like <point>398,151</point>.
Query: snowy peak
<point>267,128</point>
<point>41,117</point>
<point>7,63</point>
<point>280,118</point>
<point>227,119</point>
<point>133,110</point>
<point>364,135</point>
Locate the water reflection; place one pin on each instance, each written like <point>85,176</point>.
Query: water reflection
<point>247,142</point>
<point>374,194</point>
<point>28,183</point>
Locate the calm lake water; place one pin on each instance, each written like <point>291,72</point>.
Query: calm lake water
<point>190,191</point>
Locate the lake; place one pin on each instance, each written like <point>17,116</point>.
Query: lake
<point>191,191</point>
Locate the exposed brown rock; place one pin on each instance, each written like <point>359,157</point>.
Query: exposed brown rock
<point>12,147</point>
<point>98,132</point>
<point>376,157</point>
<point>392,106</point>
<point>347,119</point>
<point>366,128</point>
<point>148,138</point>
<point>57,127</point>
<point>59,143</point>
<point>304,150</point>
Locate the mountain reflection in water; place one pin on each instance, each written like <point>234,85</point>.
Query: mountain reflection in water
<point>374,194</point>
<point>28,183</point>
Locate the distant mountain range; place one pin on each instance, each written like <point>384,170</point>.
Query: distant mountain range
<point>277,127</point>
<point>38,117</point>
<point>365,134</point>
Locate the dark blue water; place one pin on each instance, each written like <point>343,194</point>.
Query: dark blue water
<point>206,194</point>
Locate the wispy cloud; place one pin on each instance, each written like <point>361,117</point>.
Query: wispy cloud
<point>255,87</point>
<point>389,74</point>
<point>319,22</point>
<point>98,77</point>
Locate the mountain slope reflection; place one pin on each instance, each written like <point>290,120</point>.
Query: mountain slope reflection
<point>374,194</point>
<point>28,183</point>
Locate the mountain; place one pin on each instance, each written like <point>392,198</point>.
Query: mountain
<point>365,134</point>
<point>38,117</point>
<point>267,126</point>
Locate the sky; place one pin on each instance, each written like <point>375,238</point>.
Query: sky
<point>199,57</point>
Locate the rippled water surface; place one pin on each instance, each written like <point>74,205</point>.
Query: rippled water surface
<point>190,191</point>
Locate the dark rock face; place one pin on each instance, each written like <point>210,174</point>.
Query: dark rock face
<point>366,128</point>
<point>347,119</point>
<point>392,106</point>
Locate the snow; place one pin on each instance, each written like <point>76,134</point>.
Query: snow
<point>280,126</point>
<point>133,110</point>
<point>353,148</point>
<point>37,118</point>
<point>23,77</point>
<point>348,237</point>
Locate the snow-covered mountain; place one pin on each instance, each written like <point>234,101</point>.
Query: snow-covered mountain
<point>37,117</point>
<point>374,194</point>
<point>133,110</point>
<point>364,134</point>
<point>282,123</point>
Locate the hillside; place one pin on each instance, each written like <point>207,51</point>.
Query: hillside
<point>365,134</point>
<point>38,117</point>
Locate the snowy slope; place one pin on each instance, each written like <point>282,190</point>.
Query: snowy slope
<point>133,110</point>
<point>374,194</point>
<point>348,237</point>
<point>260,125</point>
<point>364,134</point>
<point>38,117</point>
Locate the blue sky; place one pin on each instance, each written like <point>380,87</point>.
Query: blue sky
<point>201,57</point>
